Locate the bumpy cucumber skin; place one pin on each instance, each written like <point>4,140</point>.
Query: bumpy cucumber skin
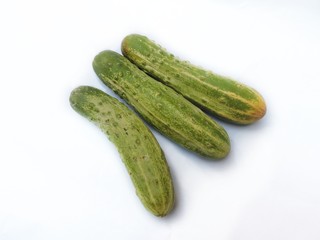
<point>230,100</point>
<point>169,112</point>
<point>138,148</point>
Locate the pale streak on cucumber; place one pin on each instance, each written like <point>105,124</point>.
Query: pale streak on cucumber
<point>153,69</point>
<point>165,109</point>
<point>228,99</point>
<point>138,148</point>
<point>188,74</point>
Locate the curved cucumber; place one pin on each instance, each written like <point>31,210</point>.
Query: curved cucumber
<point>137,146</point>
<point>227,99</point>
<point>169,112</point>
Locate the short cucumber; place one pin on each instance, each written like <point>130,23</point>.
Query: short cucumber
<point>226,98</point>
<point>137,146</point>
<point>165,109</point>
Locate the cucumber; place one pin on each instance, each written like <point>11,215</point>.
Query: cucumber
<point>229,100</point>
<point>169,112</point>
<point>138,148</point>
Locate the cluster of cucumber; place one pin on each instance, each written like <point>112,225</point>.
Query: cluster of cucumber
<point>170,95</point>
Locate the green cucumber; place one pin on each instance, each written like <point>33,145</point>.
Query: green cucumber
<point>226,98</point>
<point>138,148</point>
<point>169,112</point>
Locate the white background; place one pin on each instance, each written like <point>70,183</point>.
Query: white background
<point>60,177</point>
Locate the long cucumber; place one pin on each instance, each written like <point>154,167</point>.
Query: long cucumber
<point>169,112</point>
<point>222,96</point>
<point>137,146</point>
